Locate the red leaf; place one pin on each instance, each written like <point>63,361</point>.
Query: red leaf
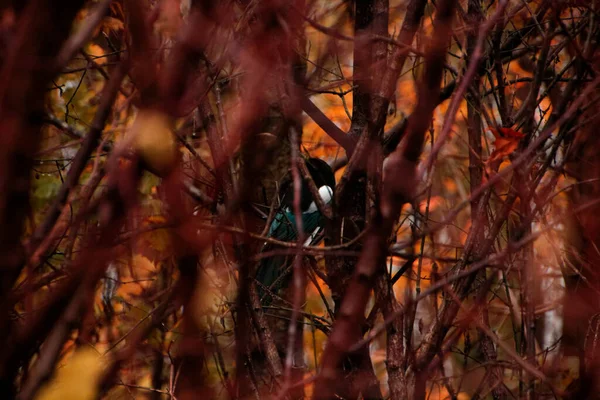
<point>511,133</point>
<point>507,133</point>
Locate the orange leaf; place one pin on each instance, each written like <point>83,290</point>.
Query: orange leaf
<point>504,147</point>
<point>112,24</point>
<point>506,142</point>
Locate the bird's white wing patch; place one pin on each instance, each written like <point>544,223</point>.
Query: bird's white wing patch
<point>326,194</point>
<point>312,236</point>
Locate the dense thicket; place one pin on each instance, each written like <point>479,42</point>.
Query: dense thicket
<point>149,150</point>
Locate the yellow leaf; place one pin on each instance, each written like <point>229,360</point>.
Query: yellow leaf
<point>77,380</point>
<point>155,141</point>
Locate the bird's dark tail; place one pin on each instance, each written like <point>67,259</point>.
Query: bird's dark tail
<point>271,276</point>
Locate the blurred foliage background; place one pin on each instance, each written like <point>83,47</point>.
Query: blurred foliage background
<point>126,340</point>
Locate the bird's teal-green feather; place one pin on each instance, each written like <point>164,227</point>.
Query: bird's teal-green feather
<point>283,227</point>
<point>271,273</point>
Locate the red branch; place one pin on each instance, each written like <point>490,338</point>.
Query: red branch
<point>397,192</point>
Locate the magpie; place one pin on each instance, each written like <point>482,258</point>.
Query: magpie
<point>274,272</point>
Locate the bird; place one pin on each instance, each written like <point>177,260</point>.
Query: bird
<point>273,273</point>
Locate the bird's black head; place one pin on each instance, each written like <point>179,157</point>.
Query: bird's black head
<point>321,172</point>
<point>322,175</point>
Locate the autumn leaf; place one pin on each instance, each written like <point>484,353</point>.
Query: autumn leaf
<point>507,133</point>
<point>97,52</point>
<point>112,24</point>
<point>155,141</point>
<point>507,141</point>
<point>77,380</point>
